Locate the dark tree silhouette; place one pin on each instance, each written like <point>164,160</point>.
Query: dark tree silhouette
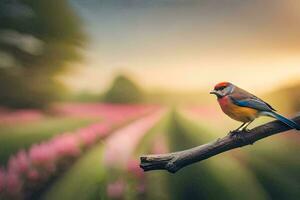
<point>37,38</point>
<point>123,90</point>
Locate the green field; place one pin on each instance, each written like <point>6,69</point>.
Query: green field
<point>22,136</point>
<point>266,170</point>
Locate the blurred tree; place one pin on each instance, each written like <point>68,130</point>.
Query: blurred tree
<point>123,90</point>
<point>37,39</point>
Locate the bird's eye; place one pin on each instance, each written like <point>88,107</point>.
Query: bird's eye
<point>222,88</point>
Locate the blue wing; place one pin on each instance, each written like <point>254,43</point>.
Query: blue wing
<point>254,103</point>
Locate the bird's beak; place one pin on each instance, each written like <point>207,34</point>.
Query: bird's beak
<point>217,93</point>
<point>214,92</point>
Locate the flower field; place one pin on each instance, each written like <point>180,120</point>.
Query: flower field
<point>99,157</point>
<point>29,169</point>
<point>88,88</point>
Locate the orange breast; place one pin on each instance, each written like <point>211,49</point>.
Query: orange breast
<point>242,114</point>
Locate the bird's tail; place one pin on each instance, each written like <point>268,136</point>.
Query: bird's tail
<point>283,119</point>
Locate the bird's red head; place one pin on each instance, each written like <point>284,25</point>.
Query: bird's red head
<point>223,89</point>
<point>221,85</point>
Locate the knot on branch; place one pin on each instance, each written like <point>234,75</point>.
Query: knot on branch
<point>172,167</point>
<point>151,162</point>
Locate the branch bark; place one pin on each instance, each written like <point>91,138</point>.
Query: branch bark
<point>173,162</point>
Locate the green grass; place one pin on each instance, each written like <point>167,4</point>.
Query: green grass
<point>147,141</point>
<point>159,131</point>
<point>220,177</point>
<point>270,168</point>
<point>258,174</point>
<point>276,165</point>
<point>22,136</point>
<point>84,180</point>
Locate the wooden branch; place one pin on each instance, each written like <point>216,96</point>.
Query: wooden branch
<point>173,162</point>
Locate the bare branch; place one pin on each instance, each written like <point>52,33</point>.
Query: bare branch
<point>173,162</point>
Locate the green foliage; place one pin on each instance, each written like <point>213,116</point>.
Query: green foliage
<point>268,170</point>
<point>216,178</point>
<point>84,97</point>
<point>276,166</point>
<point>123,90</point>
<point>83,181</point>
<point>37,38</point>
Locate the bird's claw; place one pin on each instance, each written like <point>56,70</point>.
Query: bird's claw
<point>246,130</point>
<point>233,133</point>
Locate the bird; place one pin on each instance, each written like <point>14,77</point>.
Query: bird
<point>245,107</point>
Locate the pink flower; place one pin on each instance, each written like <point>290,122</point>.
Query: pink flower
<point>33,175</point>
<point>13,164</point>
<point>43,156</point>
<point>100,128</point>
<point>133,167</point>
<point>41,160</point>
<point>124,141</point>
<point>66,145</point>
<point>116,189</point>
<point>13,184</point>
<point>88,137</point>
<point>28,115</point>
<point>23,161</point>
<point>92,133</point>
<point>19,163</point>
<point>113,112</point>
<point>2,180</point>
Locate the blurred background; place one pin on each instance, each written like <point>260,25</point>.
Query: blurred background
<point>86,87</point>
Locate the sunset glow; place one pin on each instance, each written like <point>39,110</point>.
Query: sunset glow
<point>189,44</point>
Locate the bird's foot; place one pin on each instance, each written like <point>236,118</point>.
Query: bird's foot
<point>234,133</point>
<point>246,130</point>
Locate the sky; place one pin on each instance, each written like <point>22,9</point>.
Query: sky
<point>188,44</point>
